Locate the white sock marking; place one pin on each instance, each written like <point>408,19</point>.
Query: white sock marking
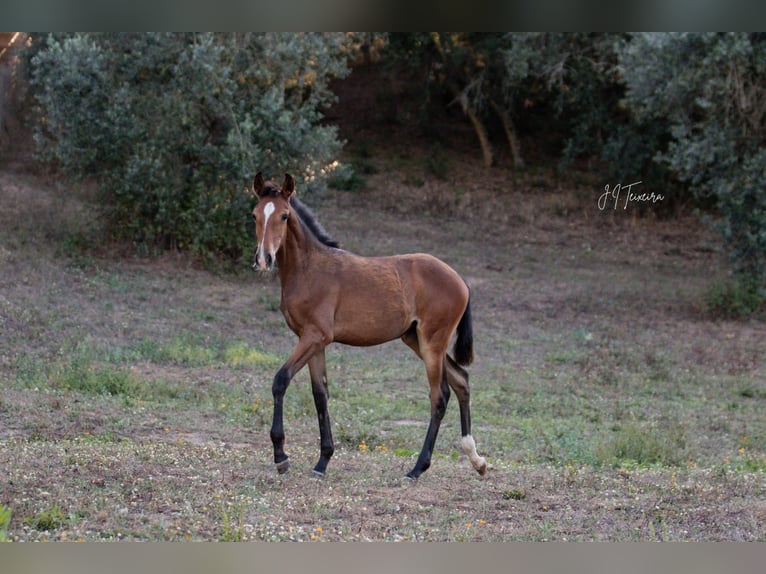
<point>469,448</point>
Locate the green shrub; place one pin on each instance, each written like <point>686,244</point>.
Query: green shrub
<point>173,126</point>
<point>709,88</point>
<point>346,178</point>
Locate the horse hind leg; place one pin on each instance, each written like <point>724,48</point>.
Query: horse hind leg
<point>440,394</point>
<point>457,377</point>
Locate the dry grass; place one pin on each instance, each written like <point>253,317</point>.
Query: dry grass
<point>135,394</point>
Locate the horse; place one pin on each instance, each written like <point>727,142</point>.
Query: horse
<point>331,295</point>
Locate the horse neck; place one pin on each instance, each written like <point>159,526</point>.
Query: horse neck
<point>296,251</point>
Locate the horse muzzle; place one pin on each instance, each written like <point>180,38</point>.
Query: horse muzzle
<point>263,262</point>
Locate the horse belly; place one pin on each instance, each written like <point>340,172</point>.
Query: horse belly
<point>366,325</point>
<point>372,311</point>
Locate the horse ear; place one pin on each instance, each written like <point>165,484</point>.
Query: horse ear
<point>288,186</point>
<point>258,184</point>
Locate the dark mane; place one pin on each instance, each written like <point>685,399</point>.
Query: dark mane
<point>309,221</point>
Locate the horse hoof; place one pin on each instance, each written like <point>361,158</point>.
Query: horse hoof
<point>482,470</point>
<point>317,474</point>
<point>284,466</point>
<point>410,479</point>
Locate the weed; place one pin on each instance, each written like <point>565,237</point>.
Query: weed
<point>49,519</point>
<point>240,355</point>
<point>76,247</point>
<point>186,351</point>
<point>229,531</point>
<point>643,445</point>
<point>514,494</point>
<point>83,376</point>
<point>735,299</point>
<point>404,452</point>
<point>5,521</point>
<point>751,393</point>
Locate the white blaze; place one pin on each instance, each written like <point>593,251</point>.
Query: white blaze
<point>267,211</point>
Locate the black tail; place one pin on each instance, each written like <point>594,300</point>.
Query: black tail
<point>463,349</point>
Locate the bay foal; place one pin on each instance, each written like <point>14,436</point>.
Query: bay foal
<point>331,295</point>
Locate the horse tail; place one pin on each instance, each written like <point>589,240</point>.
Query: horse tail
<point>463,350</point>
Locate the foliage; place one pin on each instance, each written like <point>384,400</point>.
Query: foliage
<point>665,108</point>
<point>710,89</point>
<point>174,125</point>
<point>554,86</point>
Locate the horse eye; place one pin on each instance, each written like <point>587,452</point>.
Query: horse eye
<point>285,216</point>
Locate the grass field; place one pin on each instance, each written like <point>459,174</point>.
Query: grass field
<point>135,396</point>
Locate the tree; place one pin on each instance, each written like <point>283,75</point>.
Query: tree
<point>463,66</point>
<point>174,125</point>
<point>498,77</point>
<point>711,90</point>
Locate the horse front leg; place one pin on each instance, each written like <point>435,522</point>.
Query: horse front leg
<point>278,390</point>
<point>318,372</point>
<point>310,343</point>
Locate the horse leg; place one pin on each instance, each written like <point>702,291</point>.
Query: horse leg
<point>439,392</point>
<point>318,371</point>
<point>457,377</point>
<point>310,343</point>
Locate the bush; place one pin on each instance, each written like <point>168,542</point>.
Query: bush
<point>173,126</point>
<point>709,88</point>
<point>735,299</point>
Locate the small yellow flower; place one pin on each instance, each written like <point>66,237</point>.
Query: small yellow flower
<point>363,446</point>
<point>468,525</point>
<point>482,522</point>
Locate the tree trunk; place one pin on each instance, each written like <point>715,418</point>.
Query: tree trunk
<point>481,133</point>
<point>478,127</point>
<point>510,134</point>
